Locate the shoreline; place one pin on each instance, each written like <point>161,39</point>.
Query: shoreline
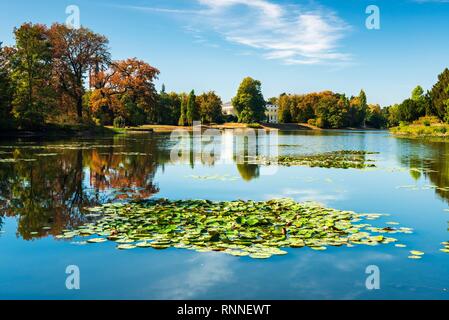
<point>85,131</point>
<point>54,131</point>
<point>438,131</point>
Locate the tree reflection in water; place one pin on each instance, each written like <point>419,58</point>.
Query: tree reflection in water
<point>47,195</point>
<point>428,159</point>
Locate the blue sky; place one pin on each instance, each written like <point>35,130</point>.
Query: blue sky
<point>292,46</point>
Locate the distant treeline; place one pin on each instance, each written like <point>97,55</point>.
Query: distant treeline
<point>329,110</point>
<point>333,110</point>
<point>61,75</point>
<point>433,103</point>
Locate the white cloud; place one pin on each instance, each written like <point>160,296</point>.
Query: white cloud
<point>292,34</point>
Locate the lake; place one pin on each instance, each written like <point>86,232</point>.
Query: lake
<point>45,185</point>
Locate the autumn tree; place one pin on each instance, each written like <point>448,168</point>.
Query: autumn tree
<point>126,89</point>
<point>210,107</point>
<point>31,74</point>
<point>284,109</point>
<point>249,102</point>
<point>75,52</point>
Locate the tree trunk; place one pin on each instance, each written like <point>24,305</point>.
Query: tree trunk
<point>79,108</point>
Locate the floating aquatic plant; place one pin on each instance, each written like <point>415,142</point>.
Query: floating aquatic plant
<point>225,177</point>
<point>239,228</point>
<point>343,159</point>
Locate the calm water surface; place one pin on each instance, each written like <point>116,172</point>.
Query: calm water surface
<point>42,196</point>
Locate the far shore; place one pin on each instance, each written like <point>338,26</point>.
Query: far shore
<point>233,125</point>
<point>86,131</point>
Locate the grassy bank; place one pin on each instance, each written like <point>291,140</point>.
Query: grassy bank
<point>422,130</point>
<point>170,128</point>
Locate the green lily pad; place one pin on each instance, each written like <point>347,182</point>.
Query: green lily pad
<point>97,240</point>
<point>260,255</point>
<point>126,246</point>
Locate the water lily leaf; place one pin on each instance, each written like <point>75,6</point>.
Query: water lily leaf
<point>260,255</point>
<point>97,240</point>
<point>143,244</point>
<point>126,247</point>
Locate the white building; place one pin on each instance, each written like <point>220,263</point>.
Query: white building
<point>228,109</point>
<point>272,113</point>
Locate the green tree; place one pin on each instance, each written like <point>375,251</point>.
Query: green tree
<point>392,115</point>
<point>175,108</point>
<point>182,118</point>
<point>168,108</point>
<point>6,89</point>
<point>31,74</point>
<point>192,112</point>
<point>362,110</point>
<point>330,111</point>
<point>375,118</point>
<point>408,111</point>
<point>439,95</point>
<point>210,107</point>
<point>75,53</point>
<point>421,101</point>
<point>249,102</point>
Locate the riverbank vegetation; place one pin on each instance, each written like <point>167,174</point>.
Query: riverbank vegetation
<point>423,127</point>
<point>62,77</point>
<point>424,114</point>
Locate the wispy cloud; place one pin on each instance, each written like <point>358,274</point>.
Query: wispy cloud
<point>435,1</point>
<point>289,33</point>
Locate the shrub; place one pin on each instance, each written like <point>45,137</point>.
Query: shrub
<point>254,126</point>
<point>320,123</point>
<point>442,129</point>
<point>426,123</point>
<point>119,122</point>
<point>311,122</point>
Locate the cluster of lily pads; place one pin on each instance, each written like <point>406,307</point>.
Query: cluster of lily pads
<point>342,159</point>
<point>225,177</point>
<point>239,228</point>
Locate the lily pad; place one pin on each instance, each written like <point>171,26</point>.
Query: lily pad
<point>97,240</point>
<point>126,246</point>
